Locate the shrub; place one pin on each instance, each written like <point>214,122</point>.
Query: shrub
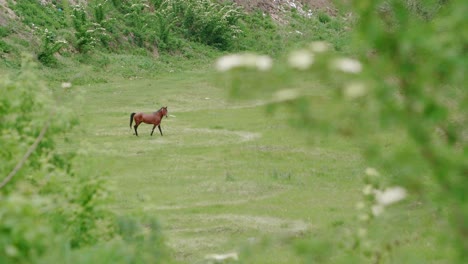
<point>323,17</point>
<point>88,33</point>
<point>211,23</point>
<point>50,46</point>
<point>25,107</point>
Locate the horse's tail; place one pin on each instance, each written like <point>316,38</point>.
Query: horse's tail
<point>131,119</point>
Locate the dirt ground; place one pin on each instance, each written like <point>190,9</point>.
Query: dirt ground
<point>275,6</point>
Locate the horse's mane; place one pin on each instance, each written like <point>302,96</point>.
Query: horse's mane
<point>159,110</point>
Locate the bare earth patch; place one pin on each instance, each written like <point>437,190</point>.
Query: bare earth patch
<point>274,8</point>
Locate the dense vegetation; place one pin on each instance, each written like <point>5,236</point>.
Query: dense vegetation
<point>406,77</point>
<point>147,27</point>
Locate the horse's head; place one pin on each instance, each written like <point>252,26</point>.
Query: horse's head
<point>164,111</point>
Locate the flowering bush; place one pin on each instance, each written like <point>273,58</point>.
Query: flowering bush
<point>87,33</point>
<point>50,46</point>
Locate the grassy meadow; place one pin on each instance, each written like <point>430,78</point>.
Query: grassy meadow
<point>224,174</point>
<point>228,175</point>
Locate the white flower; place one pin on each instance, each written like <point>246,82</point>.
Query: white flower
<point>263,63</point>
<point>390,195</point>
<point>354,90</point>
<point>66,85</point>
<point>232,61</point>
<point>319,46</point>
<point>228,62</point>
<point>301,59</point>
<point>371,172</point>
<point>347,65</point>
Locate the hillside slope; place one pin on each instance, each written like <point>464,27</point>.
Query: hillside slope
<point>49,29</point>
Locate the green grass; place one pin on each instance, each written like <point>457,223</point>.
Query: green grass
<point>226,176</point>
<point>223,174</point>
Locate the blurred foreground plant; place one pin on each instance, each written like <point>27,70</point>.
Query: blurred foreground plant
<point>50,210</point>
<point>401,98</point>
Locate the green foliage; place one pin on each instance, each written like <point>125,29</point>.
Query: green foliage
<point>85,40</point>
<point>99,13</point>
<point>138,20</point>
<point>336,30</point>
<point>406,78</point>
<point>117,3</point>
<point>5,47</point>
<point>260,34</point>
<point>50,46</point>
<point>202,21</point>
<point>33,13</point>
<point>323,17</point>
<point>89,34</point>
<point>164,29</point>
<point>4,31</point>
<point>50,211</point>
<point>25,234</point>
<point>25,108</point>
<point>209,22</point>
<point>170,26</point>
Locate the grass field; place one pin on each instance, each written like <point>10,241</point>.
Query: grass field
<point>224,175</point>
<point>227,176</point>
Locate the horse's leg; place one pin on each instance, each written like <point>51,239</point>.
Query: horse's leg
<point>135,127</point>
<point>153,130</point>
<point>159,127</point>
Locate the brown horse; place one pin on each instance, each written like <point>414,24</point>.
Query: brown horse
<point>154,118</point>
